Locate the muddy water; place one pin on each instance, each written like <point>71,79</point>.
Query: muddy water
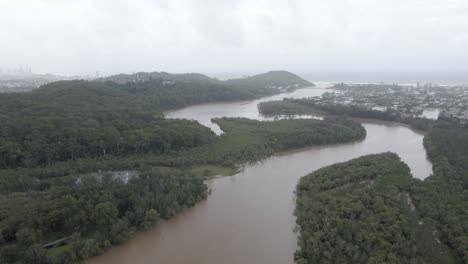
<point>248,218</point>
<point>248,109</point>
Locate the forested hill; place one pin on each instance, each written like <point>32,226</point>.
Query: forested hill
<point>283,79</point>
<point>146,76</point>
<point>72,119</point>
<point>272,79</point>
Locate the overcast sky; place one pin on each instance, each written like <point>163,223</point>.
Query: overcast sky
<point>216,36</point>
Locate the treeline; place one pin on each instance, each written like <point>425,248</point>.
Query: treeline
<point>361,211</point>
<point>68,120</point>
<point>147,76</point>
<point>75,119</point>
<point>90,212</point>
<point>248,140</point>
<point>314,106</point>
<point>268,79</point>
<point>55,207</point>
<point>442,199</point>
<point>272,79</point>
<point>444,195</point>
<point>39,142</point>
<point>244,141</point>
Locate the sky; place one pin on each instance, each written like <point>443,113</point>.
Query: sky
<point>222,36</point>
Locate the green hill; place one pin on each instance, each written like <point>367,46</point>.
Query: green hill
<point>278,79</point>
<point>146,76</point>
<point>271,79</point>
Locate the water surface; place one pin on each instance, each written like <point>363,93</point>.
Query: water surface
<point>203,113</point>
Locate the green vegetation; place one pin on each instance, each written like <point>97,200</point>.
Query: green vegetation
<point>244,141</point>
<point>313,106</point>
<point>96,210</point>
<point>247,140</point>
<point>69,120</point>
<point>361,211</point>
<point>277,79</point>
<point>444,195</point>
<point>259,81</point>
<point>442,198</point>
<point>148,76</point>
<point>90,212</point>
<point>60,202</point>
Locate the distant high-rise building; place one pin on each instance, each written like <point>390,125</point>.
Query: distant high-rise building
<point>21,70</point>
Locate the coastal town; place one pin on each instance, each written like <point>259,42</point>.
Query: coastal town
<point>428,100</point>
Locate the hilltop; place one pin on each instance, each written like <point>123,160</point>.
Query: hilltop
<point>147,76</point>
<point>282,80</point>
<point>273,79</point>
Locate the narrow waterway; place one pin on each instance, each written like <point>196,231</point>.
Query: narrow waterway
<point>249,109</point>
<point>248,218</point>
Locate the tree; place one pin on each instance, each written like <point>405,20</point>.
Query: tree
<point>36,254</point>
<point>27,236</point>
<point>105,216</point>
<point>151,218</point>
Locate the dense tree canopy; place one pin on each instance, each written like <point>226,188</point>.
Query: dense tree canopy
<point>314,106</point>
<point>360,211</point>
<point>248,140</point>
<point>92,212</point>
<point>96,210</point>
<point>444,195</point>
<point>74,119</point>
<point>278,79</point>
<point>59,146</point>
<point>67,120</point>
<point>268,79</point>
<point>244,141</point>
<point>442,198</point>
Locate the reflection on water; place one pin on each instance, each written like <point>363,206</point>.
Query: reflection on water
<point>248,218</point>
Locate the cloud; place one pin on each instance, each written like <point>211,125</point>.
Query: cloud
<point>210,36</point>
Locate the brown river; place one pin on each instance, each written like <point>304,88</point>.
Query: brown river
<point>248,218</point>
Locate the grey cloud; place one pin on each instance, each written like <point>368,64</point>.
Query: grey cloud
<point>211,36</point>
